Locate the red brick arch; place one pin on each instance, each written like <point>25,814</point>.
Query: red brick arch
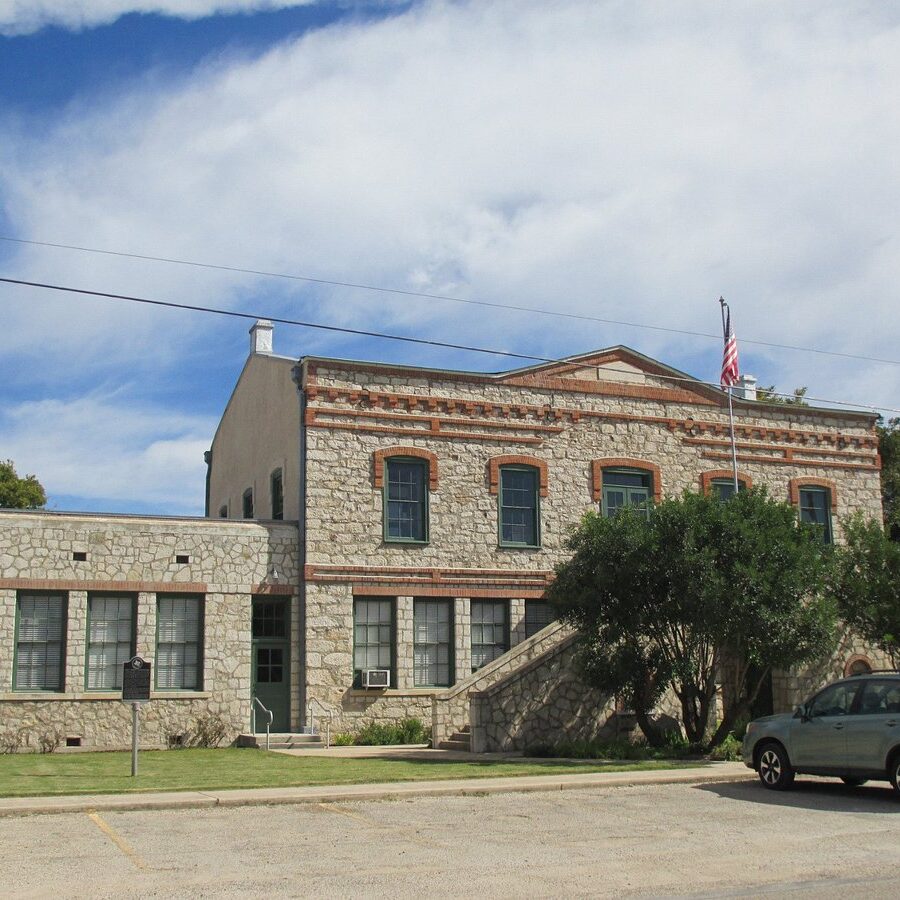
<point>707,478</point>
<point>379,456</point>
<point>624,462</point>
<point>495,462</point>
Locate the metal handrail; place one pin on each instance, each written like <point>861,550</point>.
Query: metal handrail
<point>312,719</point>
<point>253,704</point>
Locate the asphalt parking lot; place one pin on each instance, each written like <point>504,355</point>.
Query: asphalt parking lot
<point>729,839</point>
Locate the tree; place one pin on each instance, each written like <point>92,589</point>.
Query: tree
<point>771,395</point>
<point>866,585</point>
<point>704,589</point>
<point>889,450</point>
<point>19,493</point>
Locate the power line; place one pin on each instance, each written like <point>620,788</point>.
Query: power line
<point>170,304</point>
<point>444,297</point>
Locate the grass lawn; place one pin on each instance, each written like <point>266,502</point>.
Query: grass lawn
<point>23,775</point>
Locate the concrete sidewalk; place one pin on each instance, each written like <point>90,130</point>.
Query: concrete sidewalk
<point>713,772</point>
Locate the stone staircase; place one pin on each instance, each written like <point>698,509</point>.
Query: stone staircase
<point>281,741</point>
<point>451,721</point>
<point>459,740</point>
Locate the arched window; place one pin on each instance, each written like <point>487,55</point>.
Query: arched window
<point>815,498</point>
<point>622,482</point>
<point>858,665</point>
<point>720,483</point>
<point>405,475</point>
<point>519,483</point>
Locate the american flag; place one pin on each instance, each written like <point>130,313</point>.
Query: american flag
<point>730,356</point>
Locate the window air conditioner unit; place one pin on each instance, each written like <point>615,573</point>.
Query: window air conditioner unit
<point>376,678</point>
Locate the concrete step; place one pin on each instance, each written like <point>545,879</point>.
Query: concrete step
<point>454,744</point>
<point>280,741</point>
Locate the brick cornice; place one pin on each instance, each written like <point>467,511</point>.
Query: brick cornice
<point>379,456</point>
<point>796,483</point>
<point>439,411</point>
<point>94,584</point>
<point>516,459</point>
<point>624,462</point>
<point>707,478</point>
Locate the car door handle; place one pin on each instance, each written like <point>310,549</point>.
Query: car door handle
<point>891,724</point>
<point>838,726</point>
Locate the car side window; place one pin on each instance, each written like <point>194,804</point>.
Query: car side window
<point>833,701</point>
<point>880,698</point>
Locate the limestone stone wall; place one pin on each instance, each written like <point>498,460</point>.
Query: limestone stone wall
<point>794,686</point>
<point>543,702</point>
<point>354,413</point>
<point>329,660</point>
<point>228,563</point>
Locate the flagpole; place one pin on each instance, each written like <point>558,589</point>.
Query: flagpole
<point>728,389</point>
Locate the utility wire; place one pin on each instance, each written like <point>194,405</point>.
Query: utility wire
<point>384,335</point>
<point>445,297</point>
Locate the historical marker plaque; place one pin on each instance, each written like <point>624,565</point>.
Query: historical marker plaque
<point>136,680</point>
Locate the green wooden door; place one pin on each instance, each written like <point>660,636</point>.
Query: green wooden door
<point>271,658</point>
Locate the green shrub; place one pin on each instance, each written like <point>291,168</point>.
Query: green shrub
<point>729,750</point>
<point>409,731</point>
<point>342,739</point>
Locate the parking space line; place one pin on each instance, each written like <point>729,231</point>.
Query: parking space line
<point>118,840</point>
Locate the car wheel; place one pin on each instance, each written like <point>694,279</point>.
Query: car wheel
<point>894,772</point>
<point>775,770</point>
<point>854,782</point>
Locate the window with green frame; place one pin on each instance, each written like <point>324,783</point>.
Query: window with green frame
<point>538,614</point>
<point>723,488</point>
<point>373,635</point>
<point>276,491</point>
<point>490,630</point>
<point>406,500</point>
<point>110,640</point>
<point>519,506</point>
<point>432,643</point>
<point>815,509</point>
<point>40,642</point>
<point>179,643</point>
<point>627,488</point>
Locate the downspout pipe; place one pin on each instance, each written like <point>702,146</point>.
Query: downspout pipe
<point>299,376</point>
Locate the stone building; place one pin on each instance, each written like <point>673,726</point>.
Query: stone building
<point>199,598</point>
<point>432,506</point>
<point>377,544</point>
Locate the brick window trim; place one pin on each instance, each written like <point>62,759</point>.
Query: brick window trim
<point>707,478</point>
<point>379,456</point>
<point>495,463</point>
<point>857,657</point>
<point>797,484</point>
<point>624,462</point>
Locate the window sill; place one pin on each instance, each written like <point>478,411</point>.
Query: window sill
<point>56,696</point>
<point>400,542</point>
<point>503,546</point>
<point>396,692</point>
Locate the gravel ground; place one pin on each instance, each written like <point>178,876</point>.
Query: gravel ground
<point>820,840</point>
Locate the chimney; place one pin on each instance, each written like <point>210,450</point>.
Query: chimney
<point>261,337</point>
<point>746,387</point>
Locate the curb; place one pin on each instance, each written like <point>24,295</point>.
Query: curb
<point>470,787</point>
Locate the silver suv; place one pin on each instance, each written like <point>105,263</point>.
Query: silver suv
<point>850,729</point>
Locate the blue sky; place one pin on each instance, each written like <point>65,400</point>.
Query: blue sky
<point>626,161</point>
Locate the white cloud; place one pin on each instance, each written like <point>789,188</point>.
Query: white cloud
<point>629,161</point>
<point>26,16</point>
<point>106,445</point>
